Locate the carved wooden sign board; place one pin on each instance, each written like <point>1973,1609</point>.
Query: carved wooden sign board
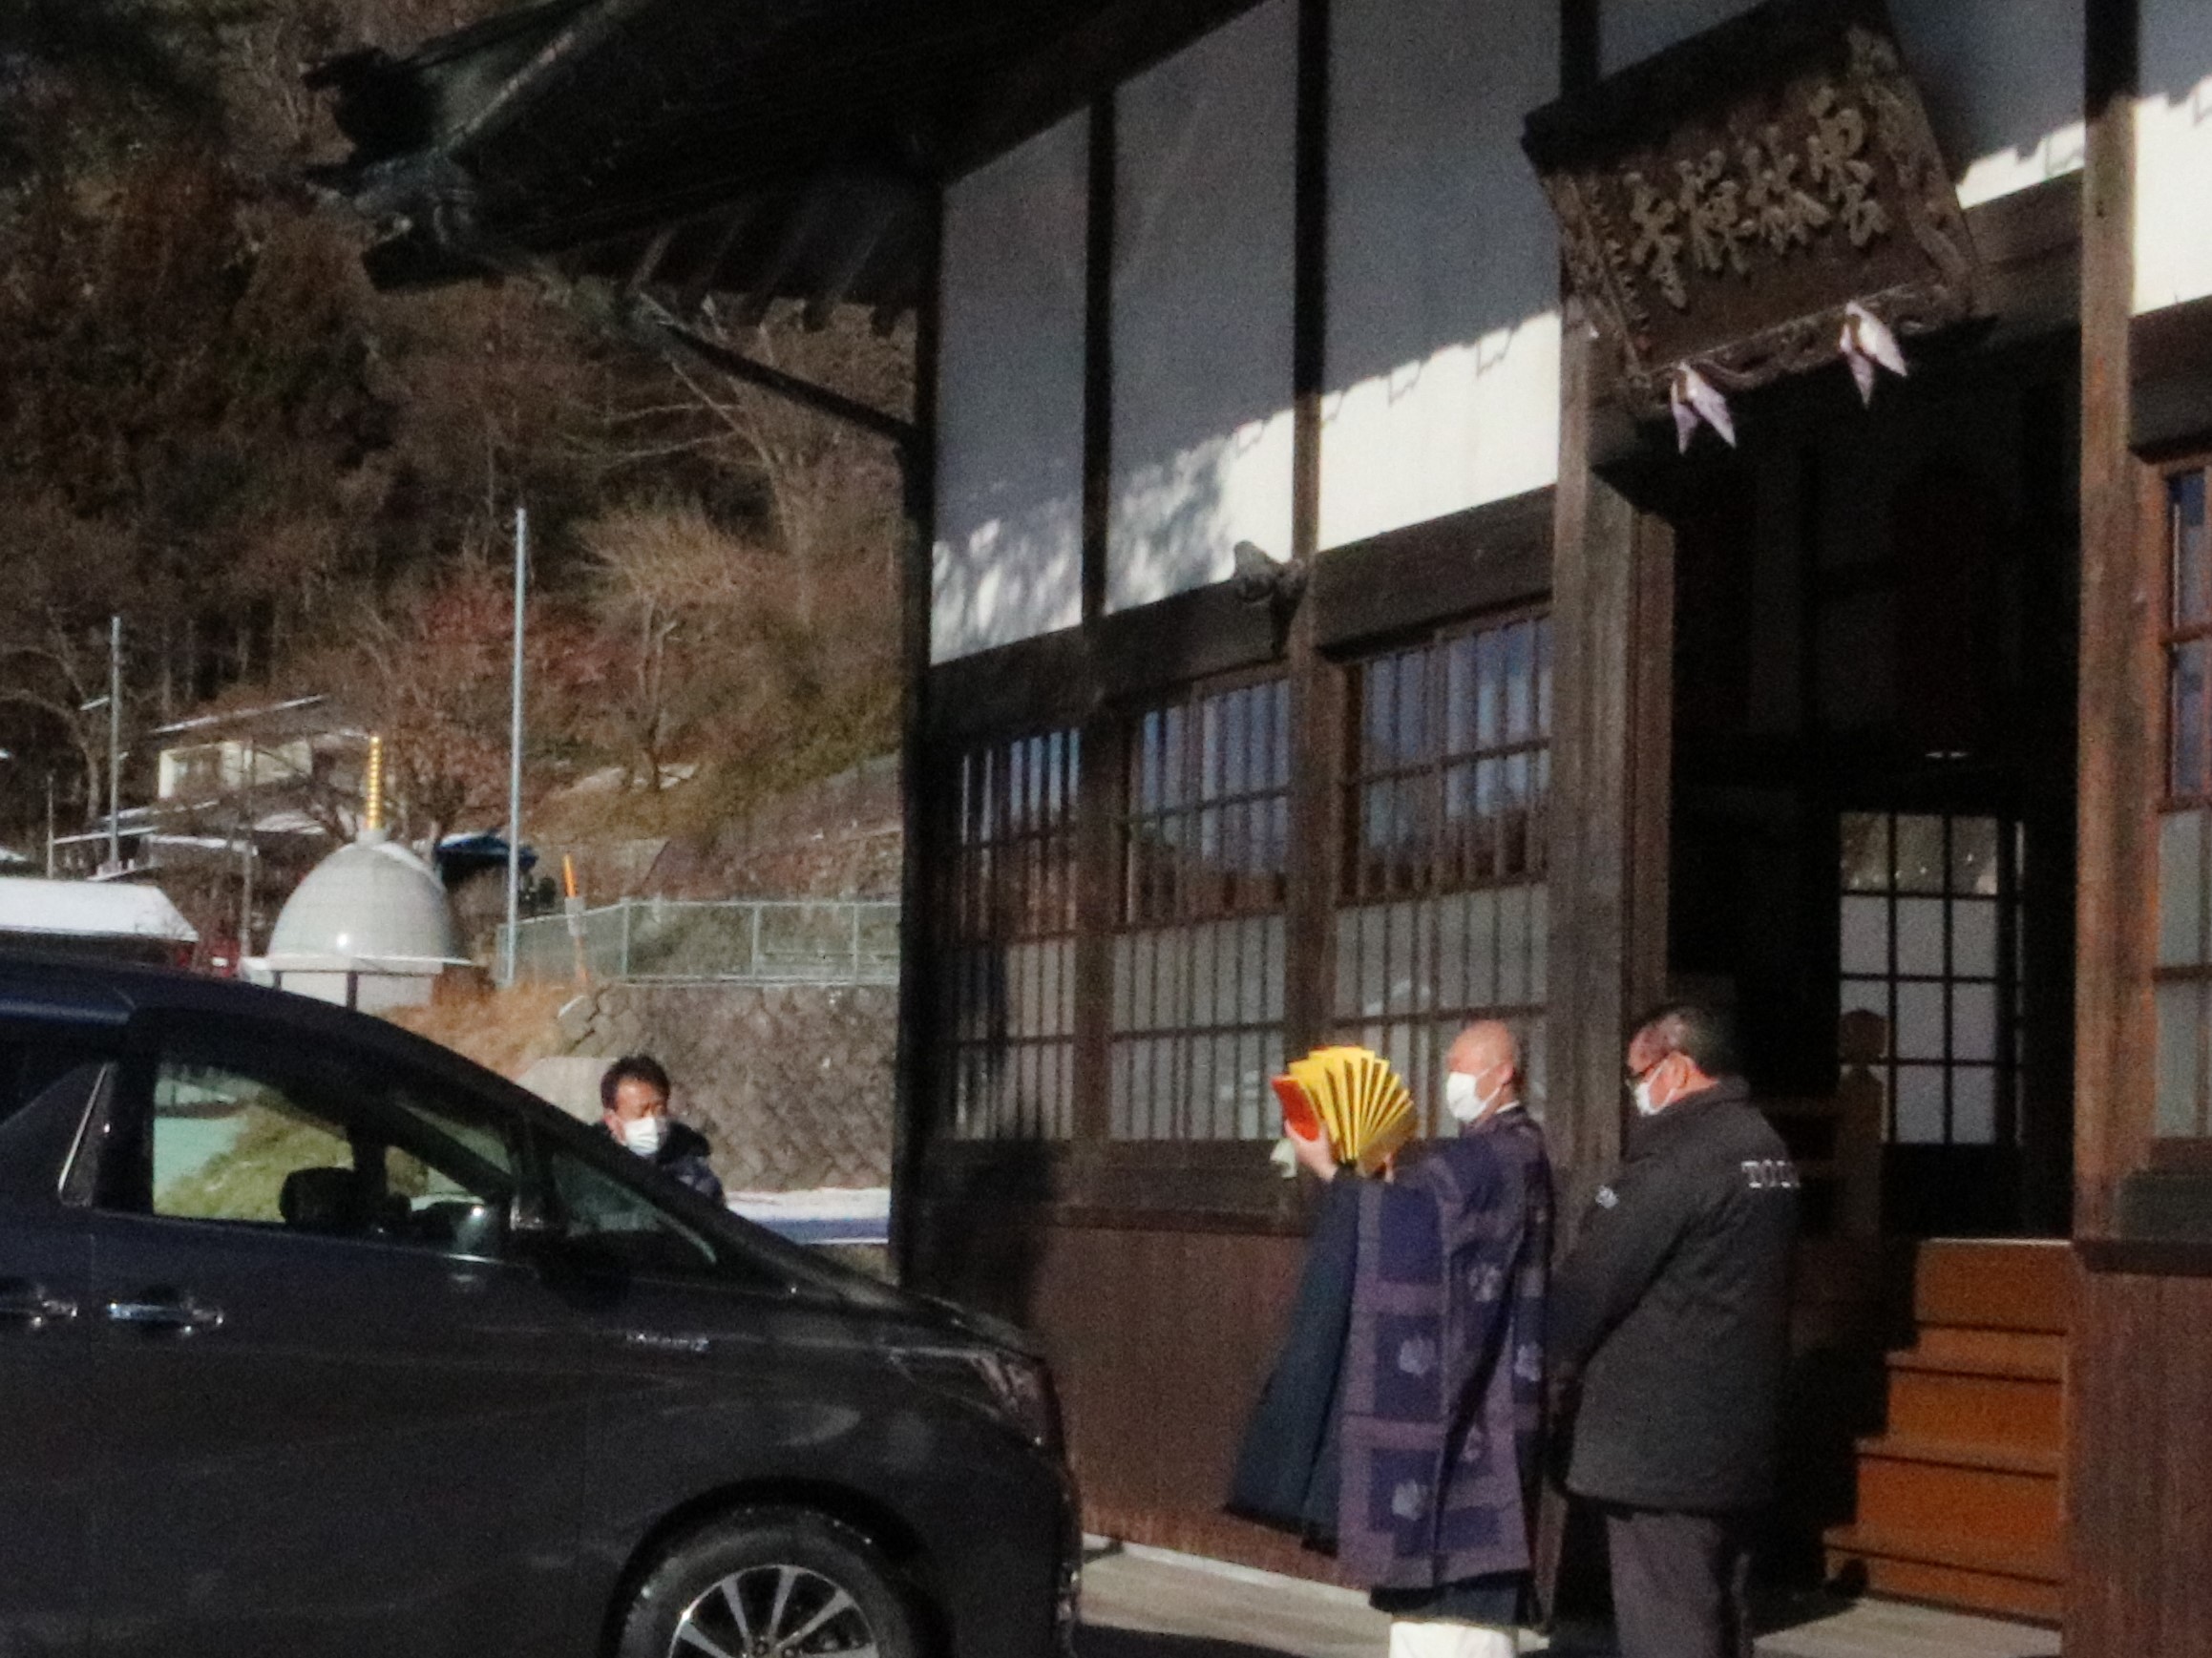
<point>1720,204</point>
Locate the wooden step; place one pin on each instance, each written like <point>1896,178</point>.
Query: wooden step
<point>2041,1565</point>
<point>2001,1497</point>
<point>1951,1571</point>
<point>2020,1356</point>
<point>1966,1454</point>
<point>1949,1407</point>
<point>2026,1286</point>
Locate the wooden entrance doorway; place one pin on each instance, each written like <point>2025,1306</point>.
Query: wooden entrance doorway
<point>1871,861</point>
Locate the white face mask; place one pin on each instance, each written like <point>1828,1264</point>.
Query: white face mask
<point>644,1135</point>
<point>1465,1101</point>
<point>1646,1105</point>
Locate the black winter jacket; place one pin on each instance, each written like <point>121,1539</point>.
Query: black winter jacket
<point>682,1154</point>
<point>1674,1306</point>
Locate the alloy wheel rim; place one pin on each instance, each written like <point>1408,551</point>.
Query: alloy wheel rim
<point>774,1612</point>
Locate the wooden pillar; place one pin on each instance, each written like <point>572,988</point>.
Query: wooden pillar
<point>1316,684</point>
<point>1105,762</point>
<point>2122,706</point>
<point>1612,652</point>
<point>915,1096</point>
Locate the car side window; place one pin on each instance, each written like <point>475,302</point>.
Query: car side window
<point>602,1217</point>
<point>246,1142</point>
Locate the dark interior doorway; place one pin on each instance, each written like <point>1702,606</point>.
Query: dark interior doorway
<point>1874,780</point>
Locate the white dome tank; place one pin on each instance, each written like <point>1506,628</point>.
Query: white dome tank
<point>368,928</point>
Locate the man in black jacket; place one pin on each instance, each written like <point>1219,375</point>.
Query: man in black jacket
<point>1673,1308</point>
<point>634,1109</point>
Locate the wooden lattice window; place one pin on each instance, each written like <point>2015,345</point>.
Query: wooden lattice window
<point>1009,897</point>
<point>1443,915</point>
<point>2185,969</point>
<point>1930,984</point>
<point>1198,957</point>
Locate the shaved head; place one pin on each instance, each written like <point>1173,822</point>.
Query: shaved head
<point>1483,1047</point>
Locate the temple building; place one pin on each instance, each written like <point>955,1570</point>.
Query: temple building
<point>1428,509</point>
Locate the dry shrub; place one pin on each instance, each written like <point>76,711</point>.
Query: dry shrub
<point>502,1030</point>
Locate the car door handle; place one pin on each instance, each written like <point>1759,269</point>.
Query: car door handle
<point>30,1304</point>
<point>180,1315</point>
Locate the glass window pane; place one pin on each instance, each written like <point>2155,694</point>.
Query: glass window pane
<point>1920,937</point>
<point>2181,1039</point>
<point>604,1217</point>
<point>1539,944</point>
<point>1489,689</point>
<point>1920,1033</point>
<point>1919,855</point>
<point>1865,935</point>
<point>1544,676</point>
<point>2192,581</point>
<point>226,1148</point>
<point>1919,1108</point>
<point>1520,683</point>
<point>1459,730</point>
<point>2190,665</point>
<point>1514,953</point>
<point>1974,1106</point>
<point>1865,852</point>
<point>1862,1028</point>
<point>1973,939</point>
<point>2181,889</point>
<point>1973,1021</point>
<point>1973,856</point>
<point>1482,950</point>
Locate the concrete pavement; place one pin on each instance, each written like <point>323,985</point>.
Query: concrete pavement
<point>1150,1603</point>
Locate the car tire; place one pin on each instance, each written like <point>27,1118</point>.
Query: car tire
<point>772,1584</point>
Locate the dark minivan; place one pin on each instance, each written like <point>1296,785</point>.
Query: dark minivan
<point>317,1339</point>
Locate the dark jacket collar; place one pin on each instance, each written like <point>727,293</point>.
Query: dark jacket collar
<point>1651,1135</point>
<point>1502,1117</point>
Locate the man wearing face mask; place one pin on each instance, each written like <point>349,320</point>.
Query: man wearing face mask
<point>634,1109</point>
<point>1672,1307</point>
<point>1401,1424</point>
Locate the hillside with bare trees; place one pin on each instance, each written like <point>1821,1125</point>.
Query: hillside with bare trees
<point>284,481</point>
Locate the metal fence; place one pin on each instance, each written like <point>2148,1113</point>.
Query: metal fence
<point>685,941</point>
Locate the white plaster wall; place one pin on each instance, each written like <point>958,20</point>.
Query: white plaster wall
<point>2174,155</point>
<point>1443,320</point>
<point>2002,78</point>
<point>1202,340</point>
<point>1009,549</point>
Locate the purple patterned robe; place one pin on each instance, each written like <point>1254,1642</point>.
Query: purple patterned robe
<point>1444,1369</point>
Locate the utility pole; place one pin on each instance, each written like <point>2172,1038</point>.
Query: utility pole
<point>514,754</point>
<point>49,823</point>
<point>115,745</point>
<point>246,866</point>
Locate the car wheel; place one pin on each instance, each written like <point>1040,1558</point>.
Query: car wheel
<point>771,1583</point>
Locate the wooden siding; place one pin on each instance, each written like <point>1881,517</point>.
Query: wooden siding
<point>1160,1337</point>
<point>2139,1454</point>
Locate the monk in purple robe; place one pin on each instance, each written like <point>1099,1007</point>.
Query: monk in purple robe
<point>1438,1395</point>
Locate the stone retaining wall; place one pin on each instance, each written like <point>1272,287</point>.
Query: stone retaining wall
<point>790,1083</point>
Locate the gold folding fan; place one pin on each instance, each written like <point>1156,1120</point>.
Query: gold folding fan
<point>1354,1097</point>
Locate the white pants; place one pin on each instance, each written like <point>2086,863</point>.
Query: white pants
<point>1423,1638</point>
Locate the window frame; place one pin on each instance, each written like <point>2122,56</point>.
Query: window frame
<point>2175,634</point>
<point>2005,982</point>
<point>1270,738</point>
<point>1442,877</point>
<point>1053,856</point>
